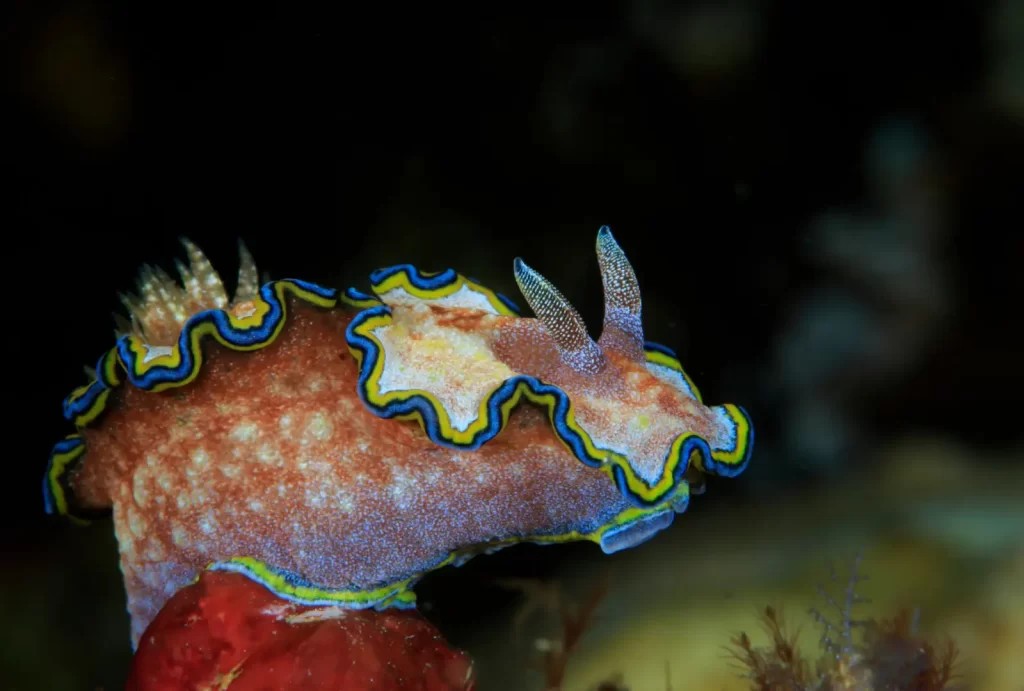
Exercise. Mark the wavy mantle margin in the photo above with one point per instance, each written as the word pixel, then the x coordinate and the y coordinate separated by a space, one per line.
pixel 496 407
pixel 129 357
pixel 258 330
pixel 400 594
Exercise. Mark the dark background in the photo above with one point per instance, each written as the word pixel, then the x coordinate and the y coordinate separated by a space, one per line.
pixel 713 138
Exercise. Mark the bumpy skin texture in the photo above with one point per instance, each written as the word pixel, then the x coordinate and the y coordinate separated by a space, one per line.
pixel 337 454
pixel 228 632
pixel 271 455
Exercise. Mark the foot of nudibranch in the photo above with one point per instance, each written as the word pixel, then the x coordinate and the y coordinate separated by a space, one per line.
pixel 637 532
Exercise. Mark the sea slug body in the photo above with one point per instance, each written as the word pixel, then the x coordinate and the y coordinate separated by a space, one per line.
pixel 338 445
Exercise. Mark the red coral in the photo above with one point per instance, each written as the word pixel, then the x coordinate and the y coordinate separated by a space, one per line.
pixel 228 632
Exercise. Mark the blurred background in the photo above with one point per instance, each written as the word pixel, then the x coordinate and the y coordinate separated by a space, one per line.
pixel 822 204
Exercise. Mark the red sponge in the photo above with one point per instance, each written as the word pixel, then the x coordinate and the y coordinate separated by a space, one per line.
pixel 229 633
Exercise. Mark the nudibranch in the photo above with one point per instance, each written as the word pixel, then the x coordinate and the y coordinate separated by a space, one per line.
pixel 335 446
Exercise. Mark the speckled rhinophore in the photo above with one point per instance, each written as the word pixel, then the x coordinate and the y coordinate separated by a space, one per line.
pixel 336 446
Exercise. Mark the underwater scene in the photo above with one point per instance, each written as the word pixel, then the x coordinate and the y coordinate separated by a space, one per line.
pixel 643 346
